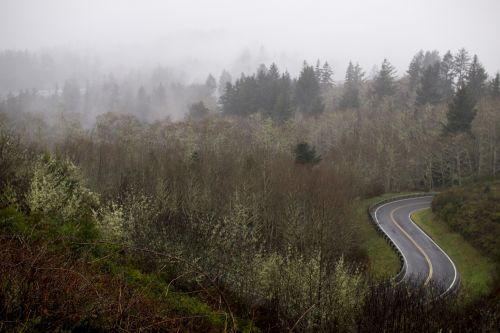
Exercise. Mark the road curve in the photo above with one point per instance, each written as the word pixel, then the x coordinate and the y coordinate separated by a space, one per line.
pixel 424 260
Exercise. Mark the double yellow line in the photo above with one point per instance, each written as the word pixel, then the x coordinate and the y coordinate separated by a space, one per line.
pixel 419 248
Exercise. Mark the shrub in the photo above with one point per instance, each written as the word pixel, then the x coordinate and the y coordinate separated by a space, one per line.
pixel 58 195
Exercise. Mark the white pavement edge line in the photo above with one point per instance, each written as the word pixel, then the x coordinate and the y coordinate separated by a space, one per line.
pixel 439 247
pixel 392 240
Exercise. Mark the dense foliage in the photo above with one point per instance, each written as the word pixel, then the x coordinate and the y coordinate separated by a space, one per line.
pixel 474 211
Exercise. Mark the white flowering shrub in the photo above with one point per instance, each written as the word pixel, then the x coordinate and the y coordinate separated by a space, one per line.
pixel 328 297
pixel 57 189
pixel 111 222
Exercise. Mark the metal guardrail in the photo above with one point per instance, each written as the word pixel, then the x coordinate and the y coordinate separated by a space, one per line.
pixel 371 212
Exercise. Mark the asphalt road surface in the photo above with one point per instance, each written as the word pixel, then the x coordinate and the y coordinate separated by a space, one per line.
pixel 424 260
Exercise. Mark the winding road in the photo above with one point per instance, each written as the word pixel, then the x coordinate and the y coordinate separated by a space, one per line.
pixel 423 259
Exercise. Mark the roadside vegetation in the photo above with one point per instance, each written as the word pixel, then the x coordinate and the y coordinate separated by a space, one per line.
pixel 474 212
pixel 478 273
pixel 383 262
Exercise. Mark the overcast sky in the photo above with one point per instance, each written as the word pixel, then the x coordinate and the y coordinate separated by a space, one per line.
pixel 208 35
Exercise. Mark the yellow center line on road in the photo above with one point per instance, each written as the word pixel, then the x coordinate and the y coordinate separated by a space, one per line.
pixel 414 242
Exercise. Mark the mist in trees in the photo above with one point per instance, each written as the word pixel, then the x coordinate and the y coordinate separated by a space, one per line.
pixel 251 170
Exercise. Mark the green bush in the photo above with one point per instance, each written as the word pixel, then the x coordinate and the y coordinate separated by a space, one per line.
pixel 12 221
pixel 474 212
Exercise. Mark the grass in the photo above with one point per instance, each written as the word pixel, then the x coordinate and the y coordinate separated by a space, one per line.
pixel 383 262
pixel 477 272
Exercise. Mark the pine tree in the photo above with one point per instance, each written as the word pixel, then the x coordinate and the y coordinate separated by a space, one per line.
pixel 447 76
pixel 476 79
pixel 428 91
pixel 306 154
pixel 274 73
pixel 226 100
pixel 283 104
pixel 270 89
pixel 352 85
pixel 384 83
pixel 224 79
pixel 415 70
pixel 326 76
pixel 317 70
pixel 261 72
pixel 307 91
pixel 211 84
pixel 461 112
pixel 461 64
pixel 430 58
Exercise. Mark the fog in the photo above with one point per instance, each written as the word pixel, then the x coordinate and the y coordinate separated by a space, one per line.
pixel 201 37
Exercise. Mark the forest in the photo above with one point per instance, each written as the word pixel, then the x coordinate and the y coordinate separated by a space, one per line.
pixel 239 193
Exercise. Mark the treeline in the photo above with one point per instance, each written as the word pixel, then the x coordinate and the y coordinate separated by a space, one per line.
pixel 430 80
pixel 276 95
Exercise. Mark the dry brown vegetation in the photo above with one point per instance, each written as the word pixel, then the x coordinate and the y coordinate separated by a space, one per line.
pixel 44 289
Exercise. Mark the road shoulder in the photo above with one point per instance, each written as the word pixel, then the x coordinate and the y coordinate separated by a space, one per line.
pixel 476 271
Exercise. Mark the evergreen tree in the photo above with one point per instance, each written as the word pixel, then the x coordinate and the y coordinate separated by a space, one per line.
pixel 326 76
pixel 266 92
pixel 274 73
pixel 211 84
pixel 495 86
pixel 269 86
pixel 430 58
pixel 283 105
pixel 306 154
pixel 247 97
pixel 224 79
pixel 447 75
pixel 261 73
pixel 352 85
pixel 415 70
pixel 227 100
pixel 461 64
pixel 428 91
pixel 461 112
pixel 476 79
pixel 263 102
pixel 317 70
pixel 307 91
pixel 384 83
